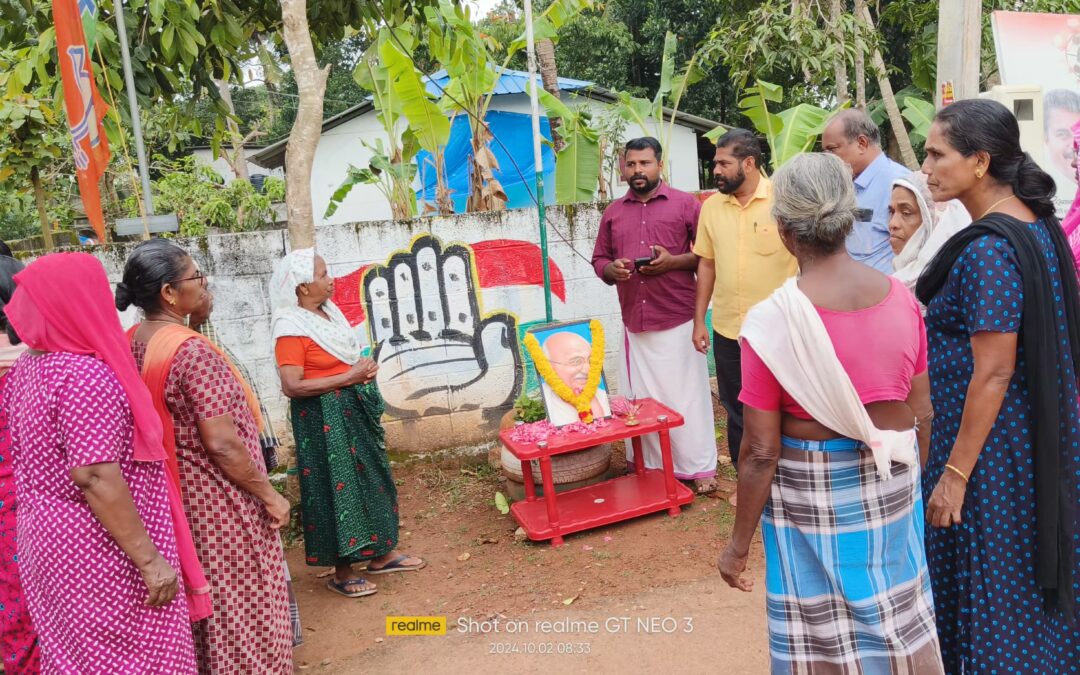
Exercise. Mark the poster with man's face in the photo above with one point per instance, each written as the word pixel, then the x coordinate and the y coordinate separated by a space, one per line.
pixel 568 348
pixel 1044 50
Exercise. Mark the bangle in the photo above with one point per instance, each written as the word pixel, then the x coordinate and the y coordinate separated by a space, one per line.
pixel 957 471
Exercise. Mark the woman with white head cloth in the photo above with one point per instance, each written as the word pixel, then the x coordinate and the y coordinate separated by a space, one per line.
pixel 919 226
pixel 348 499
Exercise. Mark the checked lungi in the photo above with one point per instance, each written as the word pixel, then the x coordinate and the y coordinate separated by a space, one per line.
pixel 847 588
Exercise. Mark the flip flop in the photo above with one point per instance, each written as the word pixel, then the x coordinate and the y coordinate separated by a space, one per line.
pixel 339 587
pixel 396 566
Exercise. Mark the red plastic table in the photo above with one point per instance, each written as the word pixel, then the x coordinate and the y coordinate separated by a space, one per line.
pixel 644 491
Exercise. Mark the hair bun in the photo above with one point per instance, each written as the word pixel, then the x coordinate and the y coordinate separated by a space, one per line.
pixel 124 296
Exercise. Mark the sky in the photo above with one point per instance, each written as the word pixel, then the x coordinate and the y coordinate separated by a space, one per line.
pixel 481 7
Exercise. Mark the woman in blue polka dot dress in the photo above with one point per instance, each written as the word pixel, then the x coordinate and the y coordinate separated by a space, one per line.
pixel 1003 324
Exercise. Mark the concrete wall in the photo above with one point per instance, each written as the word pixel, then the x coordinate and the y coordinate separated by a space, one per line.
pixel 343 145
pixel 477 275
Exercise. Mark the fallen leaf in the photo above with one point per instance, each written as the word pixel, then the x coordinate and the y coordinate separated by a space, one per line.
pixel 324 574
pixel 569 600
pixel 464 556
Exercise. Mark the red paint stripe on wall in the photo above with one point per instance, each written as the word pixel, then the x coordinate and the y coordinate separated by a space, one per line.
pixel 499 262
pixel 509 262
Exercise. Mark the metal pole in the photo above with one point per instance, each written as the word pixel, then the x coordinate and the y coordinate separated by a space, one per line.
pixel 133 105
pixel 538 158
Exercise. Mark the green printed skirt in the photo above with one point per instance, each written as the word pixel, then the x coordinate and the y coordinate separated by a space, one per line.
pixel 348 500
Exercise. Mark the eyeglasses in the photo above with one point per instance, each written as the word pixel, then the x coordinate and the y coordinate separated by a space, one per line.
pixel 576 362
pixel 199 276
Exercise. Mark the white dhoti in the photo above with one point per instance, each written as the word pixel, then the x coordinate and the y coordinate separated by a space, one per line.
pixel 664 365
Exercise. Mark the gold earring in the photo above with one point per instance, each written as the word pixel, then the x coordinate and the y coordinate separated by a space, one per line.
pixel 172 302
pixel 978 173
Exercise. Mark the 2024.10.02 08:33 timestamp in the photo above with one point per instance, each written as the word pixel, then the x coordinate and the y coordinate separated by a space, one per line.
pixel 539 648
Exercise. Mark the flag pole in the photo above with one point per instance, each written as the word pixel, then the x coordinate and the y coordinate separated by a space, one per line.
pixel 538 159
pixel 136 123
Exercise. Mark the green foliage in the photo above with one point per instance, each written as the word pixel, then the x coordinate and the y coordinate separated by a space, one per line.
pixel 502 503
pixel 201 199
pixel 788 133
pixel 669 93
pixel 528 409
pixel 577 165
pixel 920 114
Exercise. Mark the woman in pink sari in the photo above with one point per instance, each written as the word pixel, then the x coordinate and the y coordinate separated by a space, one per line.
pixel 97 546
pixel 18 641
pixel 1071 222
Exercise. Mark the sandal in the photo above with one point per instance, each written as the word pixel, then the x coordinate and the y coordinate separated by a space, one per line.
pixel 367 588
pixel 705 486
pixel 396 566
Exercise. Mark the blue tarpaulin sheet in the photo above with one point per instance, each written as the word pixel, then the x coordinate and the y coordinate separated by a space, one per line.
pixel 514 130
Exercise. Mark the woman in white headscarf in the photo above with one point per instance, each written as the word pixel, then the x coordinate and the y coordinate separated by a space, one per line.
pixel 919 226
pixel 348 498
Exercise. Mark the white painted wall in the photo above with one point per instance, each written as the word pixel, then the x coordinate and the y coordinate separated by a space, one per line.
pixel 205 156
pixel 343 145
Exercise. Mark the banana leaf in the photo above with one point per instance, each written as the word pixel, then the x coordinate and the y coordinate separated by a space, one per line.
pixel 920 114
pixel 429 124
pixel 755 106
pixel 799 130
pixel 577 165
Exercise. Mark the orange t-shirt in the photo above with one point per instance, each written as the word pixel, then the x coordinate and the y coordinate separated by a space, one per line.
pixel 293 350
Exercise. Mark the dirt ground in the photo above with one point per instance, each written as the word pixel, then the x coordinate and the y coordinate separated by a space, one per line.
pixel 655 568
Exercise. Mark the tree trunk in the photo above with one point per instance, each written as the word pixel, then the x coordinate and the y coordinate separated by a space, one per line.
pixel 896 120
pixel 839 64
pixel 860 57
pixel 549 74
pixel 306 130
pixel 237 160
pixel 39 197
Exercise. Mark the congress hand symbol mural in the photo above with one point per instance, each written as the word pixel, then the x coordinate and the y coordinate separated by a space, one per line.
pixel 437 352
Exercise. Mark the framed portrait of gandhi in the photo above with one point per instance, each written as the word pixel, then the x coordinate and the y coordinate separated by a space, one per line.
pixel 569 360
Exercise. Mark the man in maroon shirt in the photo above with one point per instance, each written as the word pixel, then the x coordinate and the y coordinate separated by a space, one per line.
pixel 644 250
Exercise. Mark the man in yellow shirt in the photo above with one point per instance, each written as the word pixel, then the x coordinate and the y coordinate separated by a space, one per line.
pixel 742 261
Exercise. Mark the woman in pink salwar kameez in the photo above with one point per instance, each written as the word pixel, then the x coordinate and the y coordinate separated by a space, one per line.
pixel 98 556
pixel 18 641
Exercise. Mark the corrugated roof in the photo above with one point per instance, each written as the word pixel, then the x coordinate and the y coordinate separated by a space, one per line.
pixel 511 82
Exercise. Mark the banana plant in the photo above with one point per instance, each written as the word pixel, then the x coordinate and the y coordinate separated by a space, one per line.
pixel 428 127
pixel 789 132
pixel 400 150
pixel 468 56
pixel 577 165
pixel 669 94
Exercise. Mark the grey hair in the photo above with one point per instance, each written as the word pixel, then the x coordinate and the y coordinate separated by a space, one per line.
pixel 814 201
pixel 1059 99
pixel 857 123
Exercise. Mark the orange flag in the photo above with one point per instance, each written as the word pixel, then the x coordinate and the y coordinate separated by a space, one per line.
pixel 85 107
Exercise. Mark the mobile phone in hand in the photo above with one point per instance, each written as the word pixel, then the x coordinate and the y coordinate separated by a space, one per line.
pixel 642 262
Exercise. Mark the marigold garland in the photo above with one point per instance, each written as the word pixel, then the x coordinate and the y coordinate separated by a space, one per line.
pixel 582 402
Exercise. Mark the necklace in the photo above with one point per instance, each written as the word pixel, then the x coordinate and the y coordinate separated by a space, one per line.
pixel 995 205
